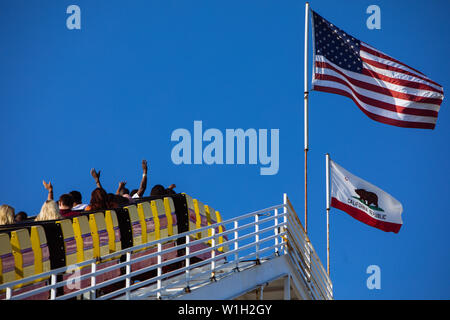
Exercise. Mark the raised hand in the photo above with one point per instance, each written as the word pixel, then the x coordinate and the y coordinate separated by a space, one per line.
pixel 49 188
pixel 95 175
pixel 48 185
pixel 122 184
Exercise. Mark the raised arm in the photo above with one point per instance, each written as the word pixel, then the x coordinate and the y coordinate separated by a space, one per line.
pixel 143 185
pixel 96 176
pixel 121 185
pixel 49 188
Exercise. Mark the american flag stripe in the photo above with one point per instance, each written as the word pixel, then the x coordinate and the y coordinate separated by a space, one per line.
pixel 369 102
pixel 370 98
pixel 369 83
pixel 398 72
pixel 370 50
pixel 385 89
pixel 381 97
pixel 381 104
pixel 377 117
pixel 385 76
pixel 387 59
pixel 381 109
pixel 361 89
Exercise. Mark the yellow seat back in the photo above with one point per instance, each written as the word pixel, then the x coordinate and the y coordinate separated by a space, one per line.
pixel 191 215
pixel 23 253
pixel 99 233
pixel 7 262
pixel 202 221
pixel 211 219
pixel 171 216
pixel 159 214
pixel 70 244
pixel 222 239
pixel 83 238
pixel 40 249
pixel 112 226
pixel 136 226
pixel 145 214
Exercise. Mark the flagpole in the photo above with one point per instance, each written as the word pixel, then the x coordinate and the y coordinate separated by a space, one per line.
pixel 306 112
pixel 327 170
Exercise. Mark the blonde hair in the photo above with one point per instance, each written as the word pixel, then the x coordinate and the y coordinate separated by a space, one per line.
pixel 6 214
pixel 49 211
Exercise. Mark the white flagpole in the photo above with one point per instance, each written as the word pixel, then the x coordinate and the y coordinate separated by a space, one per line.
pixel 327 170
pixel 306 92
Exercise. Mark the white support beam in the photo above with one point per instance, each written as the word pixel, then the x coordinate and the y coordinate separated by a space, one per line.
pixel 287 288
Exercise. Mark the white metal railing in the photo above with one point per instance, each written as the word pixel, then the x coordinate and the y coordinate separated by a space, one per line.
pixel 256 236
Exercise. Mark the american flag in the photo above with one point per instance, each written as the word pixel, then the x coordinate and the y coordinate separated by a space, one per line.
pixel 385 89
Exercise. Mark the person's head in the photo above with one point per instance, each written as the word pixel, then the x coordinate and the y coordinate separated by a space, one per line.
pixel 65 202
pixel 170 191
pixel 158 190
pixel 123 200
pixel 116 201
pixel 76 196
pixel 6 214
pixel 49 211
pixel 99 199
pixel 112 201
pixel 20 216
pixel 123 191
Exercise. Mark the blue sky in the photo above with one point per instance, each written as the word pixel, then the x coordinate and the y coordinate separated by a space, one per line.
pixel 111 94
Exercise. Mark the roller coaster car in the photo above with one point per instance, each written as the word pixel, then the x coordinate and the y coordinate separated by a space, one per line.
pixel 35 247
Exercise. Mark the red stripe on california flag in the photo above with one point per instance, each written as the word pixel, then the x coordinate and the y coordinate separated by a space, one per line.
pixel 365 218
pixel 376 117
pixel 380 104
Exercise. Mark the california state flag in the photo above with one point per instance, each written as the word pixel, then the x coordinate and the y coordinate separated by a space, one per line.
pixel 364 201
